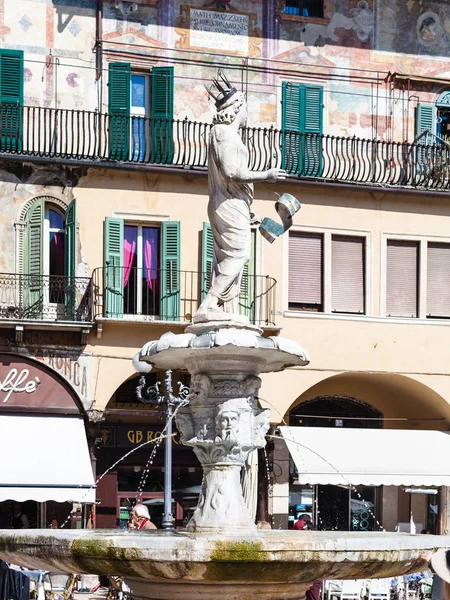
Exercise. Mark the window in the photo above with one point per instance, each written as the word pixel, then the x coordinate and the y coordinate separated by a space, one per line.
pixel 142 269
pixel 306 271
pixel 402 278
pixel 438 280
pixel 140 114
pixel 327 273
pixel 304 8
pixel 54 260
pixel 11 98
pixel 141 274
pixel 302 124
pixel 417 278
pixel 49 257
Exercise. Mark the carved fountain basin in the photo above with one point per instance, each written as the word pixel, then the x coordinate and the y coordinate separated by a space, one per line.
pixel 269 565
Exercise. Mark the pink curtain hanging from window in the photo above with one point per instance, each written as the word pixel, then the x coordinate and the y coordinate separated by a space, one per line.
pixel 129 252
pixel 150 239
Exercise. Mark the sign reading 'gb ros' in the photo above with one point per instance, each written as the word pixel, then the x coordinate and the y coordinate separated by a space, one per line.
pixel 29 385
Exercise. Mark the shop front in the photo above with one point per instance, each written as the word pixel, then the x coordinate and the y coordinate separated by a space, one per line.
pixel 356 479
pixel 130 463
pixel 46 477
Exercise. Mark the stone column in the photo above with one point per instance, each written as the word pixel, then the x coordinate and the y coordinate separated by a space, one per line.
pixel 223 424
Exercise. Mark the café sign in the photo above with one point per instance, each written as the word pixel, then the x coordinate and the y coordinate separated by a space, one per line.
pixel 27 385
pixel 16 382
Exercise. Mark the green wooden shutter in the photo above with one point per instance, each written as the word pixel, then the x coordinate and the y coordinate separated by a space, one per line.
pixel 247 297
pixel 170 272
pixel 33 280
pixel 70 260
pixel 290 125
pixel 113 268
pixel 207 258
pixel 311 126
pixel 11 99
pixel 119 110
pixel 425 160
pixel 302 125
pixel 426 119
pixel 162 115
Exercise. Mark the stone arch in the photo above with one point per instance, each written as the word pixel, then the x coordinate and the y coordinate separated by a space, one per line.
pixel 407 401
pixel 353 412
pixel 46 372
pixel 20 224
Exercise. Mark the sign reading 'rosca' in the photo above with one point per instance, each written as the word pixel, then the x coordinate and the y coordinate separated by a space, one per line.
pixel 27 384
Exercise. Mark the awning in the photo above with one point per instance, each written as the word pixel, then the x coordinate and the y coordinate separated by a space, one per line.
pixel 344 456
pixel 44 458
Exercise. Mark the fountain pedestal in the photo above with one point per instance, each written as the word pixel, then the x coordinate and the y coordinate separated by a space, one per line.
pixel 223 422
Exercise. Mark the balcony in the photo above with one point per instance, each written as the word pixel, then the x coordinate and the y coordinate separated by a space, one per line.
pixel 82 137
pixel 151 295
pixel 42 301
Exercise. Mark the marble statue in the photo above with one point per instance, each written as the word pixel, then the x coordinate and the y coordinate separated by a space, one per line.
pixel 230 188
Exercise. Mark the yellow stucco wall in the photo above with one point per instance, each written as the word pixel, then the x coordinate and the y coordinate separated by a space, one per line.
pixel 418 350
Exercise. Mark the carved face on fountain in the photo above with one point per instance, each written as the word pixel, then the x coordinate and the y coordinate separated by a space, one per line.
pixel 233 420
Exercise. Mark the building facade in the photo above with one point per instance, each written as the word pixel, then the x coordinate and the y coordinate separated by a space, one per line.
pixel 105 245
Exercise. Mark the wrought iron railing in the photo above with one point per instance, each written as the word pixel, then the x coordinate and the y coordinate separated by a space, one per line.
pixel 45 298
pixel 77 135
pixel 167 295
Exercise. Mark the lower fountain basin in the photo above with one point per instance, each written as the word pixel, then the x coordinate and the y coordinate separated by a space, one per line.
pixel 269 565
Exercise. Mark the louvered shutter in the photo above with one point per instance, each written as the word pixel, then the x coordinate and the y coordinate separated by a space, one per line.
pixel 347 274
pixel 33 291
pixel 438 280
pixel 170 274
pixel 402 278
pixel 426 119
pixel 302 125
pixel 290 125
pixel 207 258
pixel 248 288
pixel 425 159
pixel 113 268
pixel 162 115
pixel 119 110
pixel 311 126
pixel 70 259
pixel 305 271
pixel 11 99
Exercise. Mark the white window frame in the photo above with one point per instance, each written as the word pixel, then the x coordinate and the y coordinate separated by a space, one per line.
pixel 327 234
pixel 422 277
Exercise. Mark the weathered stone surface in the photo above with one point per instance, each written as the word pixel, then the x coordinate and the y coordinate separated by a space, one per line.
pixel 267 564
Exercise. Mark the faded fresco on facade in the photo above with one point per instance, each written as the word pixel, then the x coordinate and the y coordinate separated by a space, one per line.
pixel 354 46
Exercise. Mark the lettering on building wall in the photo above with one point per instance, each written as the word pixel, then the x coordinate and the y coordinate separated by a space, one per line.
pixel 126 436
pixel 221 31
pixel 16 382
pixel 69 367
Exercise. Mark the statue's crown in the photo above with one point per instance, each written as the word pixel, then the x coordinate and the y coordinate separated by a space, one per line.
pixel 224 89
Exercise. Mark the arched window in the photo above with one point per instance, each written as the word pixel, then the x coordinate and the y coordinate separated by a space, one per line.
pixel 49 256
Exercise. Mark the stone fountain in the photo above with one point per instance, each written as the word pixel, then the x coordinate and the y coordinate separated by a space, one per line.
pixel 221 551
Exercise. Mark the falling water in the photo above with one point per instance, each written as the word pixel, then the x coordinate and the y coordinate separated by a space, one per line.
pixel 156 441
